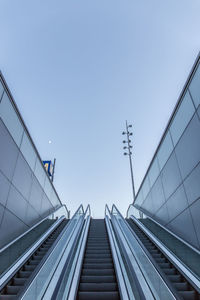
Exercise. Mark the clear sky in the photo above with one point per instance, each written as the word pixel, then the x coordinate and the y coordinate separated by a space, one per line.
pixel 78 69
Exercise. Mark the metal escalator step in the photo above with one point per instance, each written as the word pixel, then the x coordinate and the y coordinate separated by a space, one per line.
pixel 98 272
pixel 7 297
pixel 98 287
pixel 164 265
pixel 189 295
pixel 29 267
pixel 33 262
pixel 160 260
pixel 171 271
pixel 24 274
pixel 96 238
pixel 98 266
pixel 98 251
pixel 157 255
pixel 156 251
pixel 96 247
pixel 181 286
pixel 97 260
pixel 12 289
pixel 174 278
pixel 98 279
pixel 37 256
pixel 98 296
pixel 100 255
pixel 19 281
pixel 39 251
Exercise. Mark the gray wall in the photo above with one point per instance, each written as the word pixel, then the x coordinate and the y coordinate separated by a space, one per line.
pixel 170 191
pixel 26 193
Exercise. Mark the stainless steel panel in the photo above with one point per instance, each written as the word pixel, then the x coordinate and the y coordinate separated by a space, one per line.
pixel 22 177
pixel 195 211
pixel 17 204
pixel 157 193
pixel 32 217
pixel 162 215
pixel 170 176
pixel 177 203
pixel 9 152
pixel 10 228
pixel 36 194
pixel 192 185
pixel 183 226
pixel 188 148
pixel 4 189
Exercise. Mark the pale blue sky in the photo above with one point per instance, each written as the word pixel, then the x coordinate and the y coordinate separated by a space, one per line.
pixel 79 69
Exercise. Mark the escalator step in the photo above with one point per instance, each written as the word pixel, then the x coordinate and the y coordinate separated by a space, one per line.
pixel 98 266
pixel 97 279
pixel 97 260
pixel 181 286
pixel 98 287
pixel 12 289
pixel 174 278
pixel 98 272
pixel 98 296
pixel 19 281
pixel 164 265
pixel 7 297
pixel 33 262
pixel 160 260
pixel 37 256
pixel 29 267
pixel 189 295
pixel 98 251
pixel 24 274
pixel 98 255
pixel 171 271
pixel 96 247
pixel 157 255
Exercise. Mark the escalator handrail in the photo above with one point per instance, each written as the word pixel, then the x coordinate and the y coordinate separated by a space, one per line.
pixel 189 274
pixel 117 259
pixel 133 274
pixel 78 260
pixel 161 275
pixel 17 265
pixel 136 273
pixel 67 259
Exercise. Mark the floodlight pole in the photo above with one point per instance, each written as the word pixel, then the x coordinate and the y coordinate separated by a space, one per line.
pixel 130 156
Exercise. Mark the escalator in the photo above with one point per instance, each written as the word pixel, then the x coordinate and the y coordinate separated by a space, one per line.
pixel 15 286
pixel 98 279
pixel 176 279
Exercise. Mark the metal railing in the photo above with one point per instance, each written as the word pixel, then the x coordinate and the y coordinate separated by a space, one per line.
pixel 124 284
pixel 65 281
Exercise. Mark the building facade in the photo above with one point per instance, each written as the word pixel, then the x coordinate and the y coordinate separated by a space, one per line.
pixel 27 194
pixel 170 191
